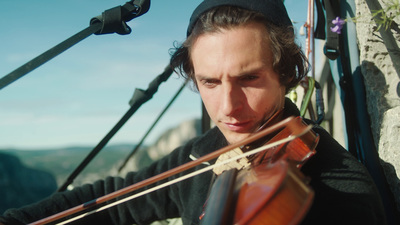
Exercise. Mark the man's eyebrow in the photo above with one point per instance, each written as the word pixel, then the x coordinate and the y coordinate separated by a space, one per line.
pixel 249 72
pixel 202 76
pixel 254 69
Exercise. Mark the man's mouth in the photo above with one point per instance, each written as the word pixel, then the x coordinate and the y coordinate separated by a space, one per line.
pixel 238 126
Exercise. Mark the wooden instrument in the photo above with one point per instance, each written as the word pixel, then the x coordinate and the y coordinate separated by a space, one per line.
pixel 272 190
pixel 283 167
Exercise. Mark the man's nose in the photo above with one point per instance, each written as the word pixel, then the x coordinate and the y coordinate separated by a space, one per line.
pixel 232 97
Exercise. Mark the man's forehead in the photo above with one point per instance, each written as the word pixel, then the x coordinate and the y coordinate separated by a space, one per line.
pixel 244 41
pixel 253 68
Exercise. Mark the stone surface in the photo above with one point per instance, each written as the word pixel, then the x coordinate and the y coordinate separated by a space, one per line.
pixel 380 66
pixel 168 141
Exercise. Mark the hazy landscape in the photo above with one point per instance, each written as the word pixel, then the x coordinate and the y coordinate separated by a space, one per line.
pixel 61 162
pixel 29 175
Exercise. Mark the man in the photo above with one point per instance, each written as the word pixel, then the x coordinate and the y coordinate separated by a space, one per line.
pixel 242 58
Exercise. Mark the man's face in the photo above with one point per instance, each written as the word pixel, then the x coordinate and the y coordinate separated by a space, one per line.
pixel 235 78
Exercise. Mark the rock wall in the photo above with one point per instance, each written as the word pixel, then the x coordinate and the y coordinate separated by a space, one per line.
pixel 380 66
pixel 168 141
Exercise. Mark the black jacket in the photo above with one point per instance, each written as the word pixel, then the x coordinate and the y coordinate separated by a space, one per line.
pixel 344 191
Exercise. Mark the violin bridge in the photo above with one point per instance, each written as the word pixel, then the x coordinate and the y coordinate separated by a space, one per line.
pixel 238 164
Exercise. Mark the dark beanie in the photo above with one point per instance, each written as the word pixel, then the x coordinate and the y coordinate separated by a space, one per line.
pixel 273 10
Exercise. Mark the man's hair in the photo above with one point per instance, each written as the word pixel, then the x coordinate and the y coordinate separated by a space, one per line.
pixel 289 61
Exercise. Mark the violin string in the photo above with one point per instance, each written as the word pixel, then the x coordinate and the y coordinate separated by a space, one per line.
pixel 164 175
pixel 189 175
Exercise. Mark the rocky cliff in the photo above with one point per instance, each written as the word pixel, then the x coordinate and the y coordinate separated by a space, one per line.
pixel 167 142
pixel 380 65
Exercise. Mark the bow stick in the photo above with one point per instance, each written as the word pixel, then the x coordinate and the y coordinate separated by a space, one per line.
pixel 290 122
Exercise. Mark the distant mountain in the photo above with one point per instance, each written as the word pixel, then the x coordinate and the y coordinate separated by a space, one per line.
pixel 21 185
pixel 62 162
pixel 46 169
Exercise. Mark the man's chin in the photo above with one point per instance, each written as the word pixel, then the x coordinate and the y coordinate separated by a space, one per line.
pixel 236 137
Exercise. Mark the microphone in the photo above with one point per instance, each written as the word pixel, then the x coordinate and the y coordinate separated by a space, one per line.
pixel 142 7
pixel 114 20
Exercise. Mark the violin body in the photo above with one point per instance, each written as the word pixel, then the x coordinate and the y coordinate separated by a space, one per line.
pixel 274 194
pixel 270 191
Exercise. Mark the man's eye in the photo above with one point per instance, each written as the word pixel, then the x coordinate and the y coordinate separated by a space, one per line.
pixel 249 77
pixel 210 83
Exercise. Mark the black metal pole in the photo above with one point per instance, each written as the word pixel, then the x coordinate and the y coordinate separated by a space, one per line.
pixel 151 128
pixel 140 97
pixel 110 21
pixel 48 55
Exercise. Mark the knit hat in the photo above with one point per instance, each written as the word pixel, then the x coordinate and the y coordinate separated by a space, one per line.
pixel 273 10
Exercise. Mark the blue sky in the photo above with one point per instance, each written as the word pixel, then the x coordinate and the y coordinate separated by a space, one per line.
pixel 77 97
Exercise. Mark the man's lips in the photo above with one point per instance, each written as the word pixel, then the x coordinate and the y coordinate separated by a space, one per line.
pixel 238 126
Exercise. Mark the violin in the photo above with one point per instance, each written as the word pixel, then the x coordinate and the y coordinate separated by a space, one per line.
pixel 271 190
pixel 279 147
